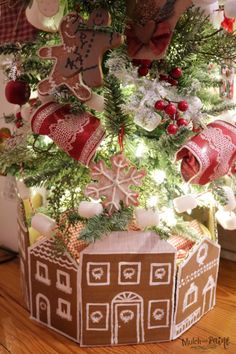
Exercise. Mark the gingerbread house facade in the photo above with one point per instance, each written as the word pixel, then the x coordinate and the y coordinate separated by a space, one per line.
pixel 123 289
pixel 53 281
pixel 127 289
pixel 196 285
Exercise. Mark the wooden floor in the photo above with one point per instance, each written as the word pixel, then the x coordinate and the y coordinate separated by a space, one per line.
pixel 20 335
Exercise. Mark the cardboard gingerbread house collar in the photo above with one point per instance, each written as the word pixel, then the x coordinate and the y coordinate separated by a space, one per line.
pixel 125 289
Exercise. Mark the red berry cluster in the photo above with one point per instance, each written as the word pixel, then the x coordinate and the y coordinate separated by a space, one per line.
pixel 144 65
pixel 173 112
pixel 19 121
pixel 173 77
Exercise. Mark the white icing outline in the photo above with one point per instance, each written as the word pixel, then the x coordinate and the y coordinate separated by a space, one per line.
pixel 137 273
pixel 152 274
pixel 88 273
pixel 150 313
pixel 88 314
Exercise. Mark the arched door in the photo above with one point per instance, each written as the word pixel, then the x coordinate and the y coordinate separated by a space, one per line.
pixel 43 311
pixel 127 318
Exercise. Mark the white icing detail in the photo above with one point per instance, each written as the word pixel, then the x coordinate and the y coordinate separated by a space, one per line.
pixel 98 273
pixel 158 313
pixel 191 296
pixel 96 316
pixel 42 305
pixel 127 300
pixel 202 253
pixel 42 273
pixel 64 132
pixel 126 316
pixel 63 282
pixel 64 309
pixel 223 145
pixel 131 274
pixel 45 250
pixel 203 269
pixel 187 323
pixel 158 272
pixel 210 287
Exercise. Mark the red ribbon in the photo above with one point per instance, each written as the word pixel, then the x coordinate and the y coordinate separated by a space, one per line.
pixel 121 138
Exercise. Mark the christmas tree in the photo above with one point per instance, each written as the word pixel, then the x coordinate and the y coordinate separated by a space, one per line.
pixel 122 98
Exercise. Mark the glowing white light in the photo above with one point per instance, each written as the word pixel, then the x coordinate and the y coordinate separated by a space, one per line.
pixel 141 149
pixel 47 140
pixel 168 216
pixel 152 201
pixel 186 188
pixel 158 176
pixel 207 199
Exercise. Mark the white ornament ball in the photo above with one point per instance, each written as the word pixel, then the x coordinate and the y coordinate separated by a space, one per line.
pixel 23 191
pixel 147 218
pixel 226 219
pixel 231 201
pixel 43 224
pixel 230 8
pixel 89 209
pixel 185 203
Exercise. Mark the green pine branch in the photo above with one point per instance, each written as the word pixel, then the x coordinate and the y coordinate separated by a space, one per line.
pixel 101 225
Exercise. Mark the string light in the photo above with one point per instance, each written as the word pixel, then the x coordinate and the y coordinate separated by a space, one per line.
pixel 168 216
pixel 152 201
pixel 158 176
pixel 141 149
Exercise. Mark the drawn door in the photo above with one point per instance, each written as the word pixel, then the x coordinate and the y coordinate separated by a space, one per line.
pixel 43 309
pixel 127 323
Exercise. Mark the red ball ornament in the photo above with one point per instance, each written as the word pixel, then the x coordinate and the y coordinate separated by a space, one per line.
pixel 182 122
pixel 170 109
pixel 19 123
pixel 18 116
pixel 172 129
pixel 163 77
pixel 176 73
pixel 17 92
pixel 173 82
pixel 143 71
pixel 146 62
pixel 136 62
pixel 160 105
pixel 183 106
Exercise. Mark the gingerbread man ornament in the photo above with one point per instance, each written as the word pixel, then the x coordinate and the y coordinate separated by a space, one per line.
pixel 78 59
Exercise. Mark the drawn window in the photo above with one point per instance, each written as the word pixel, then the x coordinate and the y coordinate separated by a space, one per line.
pixel 190 297
pixel 42 273
pixel 158 313
pixel 97 316
pixel 63 282
pixel 129 273
pixel 160 273
pixel 64 309
pixel 98 274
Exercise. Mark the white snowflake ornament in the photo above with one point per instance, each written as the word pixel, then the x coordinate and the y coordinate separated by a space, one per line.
pixel 114 183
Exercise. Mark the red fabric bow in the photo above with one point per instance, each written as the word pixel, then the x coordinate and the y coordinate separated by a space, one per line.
pixel 190 166
pixel 153 45
pixel 228 24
